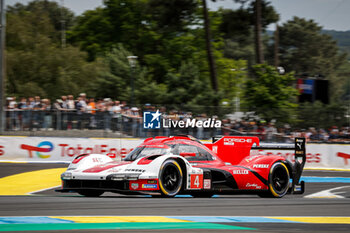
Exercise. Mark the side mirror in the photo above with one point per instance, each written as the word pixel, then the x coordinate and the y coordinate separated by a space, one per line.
pixel 187 154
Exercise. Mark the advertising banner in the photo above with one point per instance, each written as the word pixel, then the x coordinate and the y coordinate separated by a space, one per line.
pixel 55 149
pixel 51 149
pixel 320 155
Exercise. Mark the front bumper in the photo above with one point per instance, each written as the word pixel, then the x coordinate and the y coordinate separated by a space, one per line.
pixel 142 185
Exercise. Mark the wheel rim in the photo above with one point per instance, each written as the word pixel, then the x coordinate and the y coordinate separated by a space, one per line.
pixel 280 179
pixel 171 178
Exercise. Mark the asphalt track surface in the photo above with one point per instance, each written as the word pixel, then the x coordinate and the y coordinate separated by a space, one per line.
pixel 50 203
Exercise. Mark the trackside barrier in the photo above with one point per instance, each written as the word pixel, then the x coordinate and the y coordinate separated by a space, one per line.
pixel 56 149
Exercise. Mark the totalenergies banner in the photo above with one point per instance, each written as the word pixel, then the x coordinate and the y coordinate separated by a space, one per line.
pixel 51 149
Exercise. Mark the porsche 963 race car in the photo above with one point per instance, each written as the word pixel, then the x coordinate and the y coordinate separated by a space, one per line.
pixel 168 166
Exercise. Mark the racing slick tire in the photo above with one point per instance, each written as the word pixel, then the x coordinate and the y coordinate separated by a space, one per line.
pixel 91 193
pixel 170 178
pixel 278 181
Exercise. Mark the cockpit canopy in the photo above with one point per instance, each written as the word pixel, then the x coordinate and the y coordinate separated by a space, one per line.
pixel 175 147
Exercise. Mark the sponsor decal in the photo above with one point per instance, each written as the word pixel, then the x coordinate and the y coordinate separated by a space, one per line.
pixel 154 120
pixel 149 186
pixel 97 160
pixel 207 184
pixel 240 172
pixel 151 182
pixel 253 186
pixel 241 140
pixel 43 147
pixel 134 186
pixel 215 149
pixel 196 181
pixel 228 142
pixel 135 170
pixel 260 166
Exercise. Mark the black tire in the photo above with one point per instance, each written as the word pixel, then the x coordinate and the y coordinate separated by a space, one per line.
pixel 278 181
pixel 91 193
pixel 170 178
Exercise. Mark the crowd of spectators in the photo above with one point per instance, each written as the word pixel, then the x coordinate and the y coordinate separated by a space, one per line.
pixel 69 113
pixel 66 113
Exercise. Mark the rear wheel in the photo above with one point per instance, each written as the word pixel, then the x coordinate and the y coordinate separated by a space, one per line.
pixel 170 178
pixel 91 193
pixel 278 181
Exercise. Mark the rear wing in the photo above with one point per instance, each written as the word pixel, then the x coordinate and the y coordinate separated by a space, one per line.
pixel 234 149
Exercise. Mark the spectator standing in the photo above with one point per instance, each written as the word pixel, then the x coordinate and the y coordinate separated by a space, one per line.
pixel 271 131
pixel 91 111
pixel 47 114
pixel 64 112
pixel 135 117
pixel 38 114
pixel 261 131
pixel 71 110
pixel 23 113
pixel 116 116
pixel 13 113
pixel 108 105
pixel 80 107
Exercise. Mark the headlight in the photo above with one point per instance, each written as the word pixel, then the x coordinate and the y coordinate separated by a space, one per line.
pixel 66 176
pixel 132 176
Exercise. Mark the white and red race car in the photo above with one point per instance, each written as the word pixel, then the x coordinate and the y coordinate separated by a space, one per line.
pixel 168 166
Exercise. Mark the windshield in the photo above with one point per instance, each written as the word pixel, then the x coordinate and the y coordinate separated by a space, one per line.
pixel 143 151
pixel 176 149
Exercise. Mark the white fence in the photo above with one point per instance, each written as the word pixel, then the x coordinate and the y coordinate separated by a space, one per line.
pixel 55 149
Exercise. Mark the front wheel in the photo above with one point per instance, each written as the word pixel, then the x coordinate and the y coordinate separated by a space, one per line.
pixel 91 193
pixel 170 178
pixel 278 181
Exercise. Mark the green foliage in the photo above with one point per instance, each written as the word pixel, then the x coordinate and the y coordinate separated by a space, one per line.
pixel 304 49
pixel 114 80
pixel 270 94
pixel 237 29
pixel 36 65
pixel 342 38
pixel 38 17
pixel 341 83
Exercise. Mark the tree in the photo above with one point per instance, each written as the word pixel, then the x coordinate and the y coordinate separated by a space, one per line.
pixel 321 116
pixel 270 94
pixel 305 50
pixel 240 30
pixel 36 64
pixel 211 61
pixel 41 9
pixel 114 79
